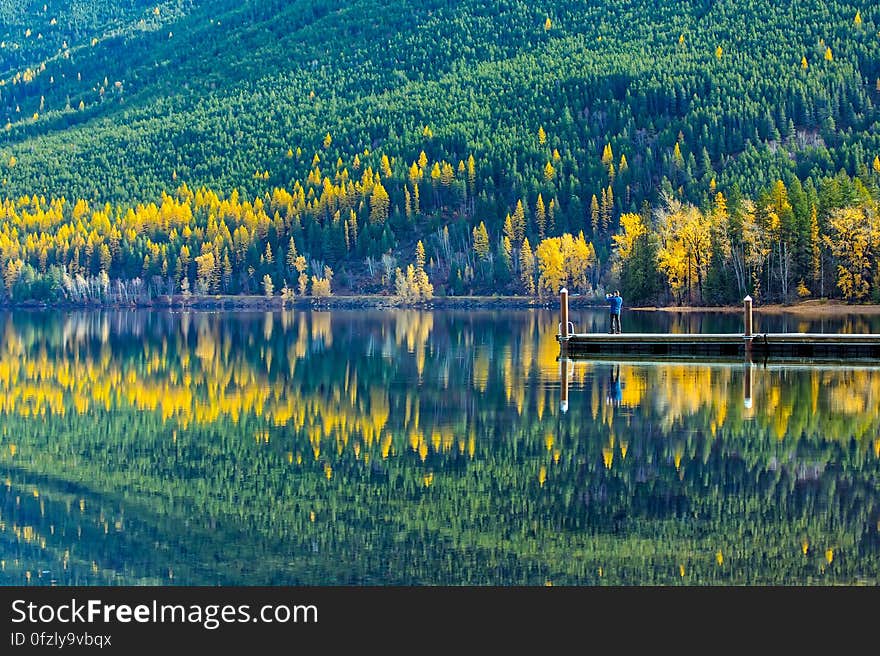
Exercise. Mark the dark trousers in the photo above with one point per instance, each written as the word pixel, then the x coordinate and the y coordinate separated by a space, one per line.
pixel 615 323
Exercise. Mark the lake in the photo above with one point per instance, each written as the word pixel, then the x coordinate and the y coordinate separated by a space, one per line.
pixel 406 447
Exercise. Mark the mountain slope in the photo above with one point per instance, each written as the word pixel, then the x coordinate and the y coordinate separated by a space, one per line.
pixel 565 115
pixel 227 89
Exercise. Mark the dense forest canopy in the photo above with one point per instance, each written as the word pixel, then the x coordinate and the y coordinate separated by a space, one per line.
pixel 394 123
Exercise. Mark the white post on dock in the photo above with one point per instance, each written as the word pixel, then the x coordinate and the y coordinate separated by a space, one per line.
pixel 747 316
pixel 747 326
pixel 563 313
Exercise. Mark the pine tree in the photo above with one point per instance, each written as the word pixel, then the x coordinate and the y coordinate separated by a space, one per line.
pixel 594 214
pixel 605 212
pixel 519 222
pixel 541 217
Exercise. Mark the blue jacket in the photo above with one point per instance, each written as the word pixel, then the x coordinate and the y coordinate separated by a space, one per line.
pixel 616 302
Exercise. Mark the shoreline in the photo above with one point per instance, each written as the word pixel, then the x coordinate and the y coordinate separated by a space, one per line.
pixel 262 303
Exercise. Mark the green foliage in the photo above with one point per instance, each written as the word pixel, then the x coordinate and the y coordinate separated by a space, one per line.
pixel 242 97
pixel 639 280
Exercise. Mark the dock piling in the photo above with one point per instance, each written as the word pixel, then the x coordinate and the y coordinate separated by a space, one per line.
pixel 747 316
pixel 747 325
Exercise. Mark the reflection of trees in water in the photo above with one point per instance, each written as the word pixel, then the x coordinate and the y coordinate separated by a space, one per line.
pixel 410 447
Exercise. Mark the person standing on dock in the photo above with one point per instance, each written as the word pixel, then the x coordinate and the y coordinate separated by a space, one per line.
pixel 615 302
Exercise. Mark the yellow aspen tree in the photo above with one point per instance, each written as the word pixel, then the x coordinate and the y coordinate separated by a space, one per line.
pixel 804 63
pixel 631 229
pixel 857 21
pixel 548 24
pixel 423 284
pixel 481 242
pixel 876 164
pixel 718 52
pixel 580 260
pixel 385 167
pixel 550 266
pixel 828 55
pixel 542 136
pixel 303 278
pixel 327 140
pixel 549 172
pixel 854 235
pixel 205 264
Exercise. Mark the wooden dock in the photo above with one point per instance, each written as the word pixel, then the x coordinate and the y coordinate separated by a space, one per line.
pixel 746 345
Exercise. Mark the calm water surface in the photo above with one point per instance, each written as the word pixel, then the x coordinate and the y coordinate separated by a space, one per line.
pixel 407 447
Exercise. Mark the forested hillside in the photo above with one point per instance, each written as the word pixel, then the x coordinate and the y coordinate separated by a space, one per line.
pixel 525 145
